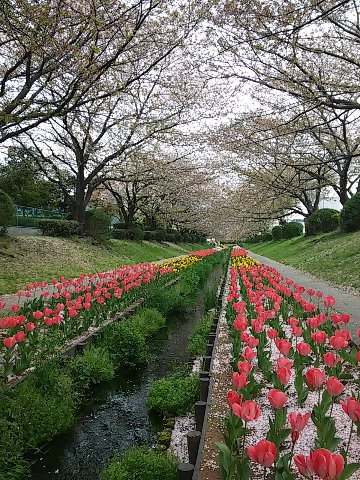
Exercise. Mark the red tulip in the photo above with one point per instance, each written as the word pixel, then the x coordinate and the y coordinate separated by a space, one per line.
pixel 330 359
pixel 303 348
pixel 334 386
pixel 283 375
pixel 20 336
pixel 352 408
pixel 244 366
pixel 15 307
pixel 240 324
pixel 315 377
pixel 263 453
pixel 9 342
pixel 252 341
pixel 329 301
pixel 298 421
pixel 338 342
pixel 326 465
pixel 272 333
pixel 236 408
pixel 277 398
pixel 233 397
pixel 248 354
pixel 319 336
pixel 244 336
pixel 283 345
pixel 37 314
pixel 310 291
pixel 293 322
pixel 250 411
pixel 239 380
pixel 297 331
pixel 319 293
pixel 2 305
pixel 282 362
pixel 343 333
pixel 30 326
pixel 304 465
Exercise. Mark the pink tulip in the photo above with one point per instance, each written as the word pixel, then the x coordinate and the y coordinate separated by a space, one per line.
pixel 239 380
pixel 277 398
pixel 334 386
pixel 283 345
pixel 330 359
pixel 233 397
pixel 315 377
pixel 352 408
pixel 298 421
pixel 329 301
pixel 303 348
pixel 304 465
pixel 338 342
pixel 272 333
pixel 248 354
pixel 326 465
pixel 250 411
pixel 30 326
pixel 9 342
pixel 244 366
pixel 282 362
pixel 319 336
pixel 283 375
pixel 263 453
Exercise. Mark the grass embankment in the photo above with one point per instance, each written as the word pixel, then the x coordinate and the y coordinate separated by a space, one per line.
pixel 333 256
pixel 27 259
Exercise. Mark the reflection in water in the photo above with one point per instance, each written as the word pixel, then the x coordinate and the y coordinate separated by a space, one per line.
pixel 116 416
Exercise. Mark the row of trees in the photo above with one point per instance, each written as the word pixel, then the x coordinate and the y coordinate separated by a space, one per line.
pixel 95 102
pixel 298 62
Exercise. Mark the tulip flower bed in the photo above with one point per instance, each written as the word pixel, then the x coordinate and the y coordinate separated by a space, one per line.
pixel 294 409
pixel 50 316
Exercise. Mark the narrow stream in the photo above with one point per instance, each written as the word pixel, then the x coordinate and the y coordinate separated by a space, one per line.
pixel 115 416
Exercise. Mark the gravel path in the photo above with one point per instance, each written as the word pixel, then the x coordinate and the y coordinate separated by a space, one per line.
pixel 345 301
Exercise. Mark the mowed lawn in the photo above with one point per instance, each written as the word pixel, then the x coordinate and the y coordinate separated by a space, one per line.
pixel 35 258
pixel 332 256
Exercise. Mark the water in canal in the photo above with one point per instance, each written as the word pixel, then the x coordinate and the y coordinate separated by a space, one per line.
pixel 115 416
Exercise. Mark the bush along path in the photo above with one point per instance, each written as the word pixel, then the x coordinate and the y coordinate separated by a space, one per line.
pixel 294 409
pixel 43 325
pixel 46 403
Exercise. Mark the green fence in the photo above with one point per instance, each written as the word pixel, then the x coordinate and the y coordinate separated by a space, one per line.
pixel 29 216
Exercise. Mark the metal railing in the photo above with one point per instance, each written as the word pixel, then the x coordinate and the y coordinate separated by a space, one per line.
pixel 29 216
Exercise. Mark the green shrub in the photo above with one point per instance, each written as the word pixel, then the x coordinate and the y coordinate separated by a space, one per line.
pixel 350 215
pixel 126 344
pixel 322 221
pixel 200 334
pixel 175 394
pixel 97 223
pixel 135 232
pixel 169 302
pixel 42 406
pixel 292 229
pixel 59 228
pixel 120 234
pixel 6 211
pixel 94 366
pixel 12 464
pixel 147 321
pixel 141 463
pixel 267 237
pixel 120 226
pixel 277 232
pixel 149 235
pixel 159 235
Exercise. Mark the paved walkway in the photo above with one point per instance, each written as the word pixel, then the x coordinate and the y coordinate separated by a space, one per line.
pixel 345 302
